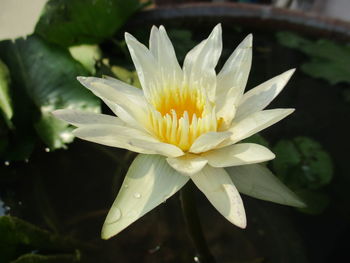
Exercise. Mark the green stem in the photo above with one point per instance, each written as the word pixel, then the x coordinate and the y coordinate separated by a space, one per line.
pixel 193 224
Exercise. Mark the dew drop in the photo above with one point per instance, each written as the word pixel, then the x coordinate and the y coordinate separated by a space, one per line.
pixel 47 149
pixel 165 198
pixel 137 195
pixel 7 163
pixel 126 186
pixel 117 214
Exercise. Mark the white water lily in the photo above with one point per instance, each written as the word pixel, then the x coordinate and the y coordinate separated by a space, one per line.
pixel 186 124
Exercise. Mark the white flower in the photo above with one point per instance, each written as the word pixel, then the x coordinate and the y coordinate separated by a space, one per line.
pixel 186 124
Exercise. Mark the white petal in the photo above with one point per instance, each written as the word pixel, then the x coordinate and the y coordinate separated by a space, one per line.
pixel 82 118
pixel 157 147
pixel 148 183
pixel 153 41
pixel 169 70
pixel 208 141
pixel 145 63
pixel 123 115
pixel 129 98
pixel 191 57
pixel 112 88
pixel 232 79
pixel 188 164
pixel 238 154
pixel 256 122
pixel 199 65
pixel 126 138
pixel 257 181
pixel 217 186
pixel 259 97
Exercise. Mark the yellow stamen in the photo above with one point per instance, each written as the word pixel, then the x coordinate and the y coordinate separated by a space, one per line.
pixel 181 115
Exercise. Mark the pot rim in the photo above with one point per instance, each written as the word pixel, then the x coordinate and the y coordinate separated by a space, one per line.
pixel 254 16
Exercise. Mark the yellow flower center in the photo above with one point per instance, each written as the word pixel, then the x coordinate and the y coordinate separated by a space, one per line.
pixel 180 100
pixel 181 115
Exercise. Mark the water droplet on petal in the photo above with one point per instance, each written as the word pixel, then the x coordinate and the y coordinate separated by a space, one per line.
pixel 126 186
pixel 137 195
pixel 7 163
pixel 165 198
pixel 112 218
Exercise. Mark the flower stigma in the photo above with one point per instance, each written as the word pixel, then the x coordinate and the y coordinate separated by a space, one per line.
pixel 179 115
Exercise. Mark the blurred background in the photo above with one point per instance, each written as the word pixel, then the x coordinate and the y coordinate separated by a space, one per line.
pixel 56 191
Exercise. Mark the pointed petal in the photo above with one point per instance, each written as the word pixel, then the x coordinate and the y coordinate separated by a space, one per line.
pixel 187 164
pixel 126 138
pixel 145 64
pixel 232 79
pixel 238 154
pixel 257 181
pixel 217 186
pixel 153 41
pixel 117 92
pixel 191 57
pixel 123 115
pixel 208 141
pixel 199 65
pixel 148 183
pixel 82 118
pixel 259 97
pixel 110 88
pixel 169 69
pixel 256 122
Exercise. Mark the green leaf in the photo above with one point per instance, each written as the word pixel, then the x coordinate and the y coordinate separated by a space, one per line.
pixel 18 236
pixel 5 100
pixel 75 22
pixel 126 76
pixel 328 60
pixel 316 202
pixel 35 258
pixel 258 139
pixel 87 55
pixel 182 41
pixel 302 163
pixel 44 76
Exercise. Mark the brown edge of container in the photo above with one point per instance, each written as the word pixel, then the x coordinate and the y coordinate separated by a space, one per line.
pixel 249 15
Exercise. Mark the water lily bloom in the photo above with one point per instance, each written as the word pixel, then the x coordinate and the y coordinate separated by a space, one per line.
pixel 186 124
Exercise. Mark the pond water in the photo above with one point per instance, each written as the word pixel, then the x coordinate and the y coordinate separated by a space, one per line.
pixel 70 191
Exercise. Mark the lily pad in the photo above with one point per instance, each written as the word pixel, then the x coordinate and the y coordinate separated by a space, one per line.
pixel 302 163
pixel 44 78
pixel 87 55
pixel 34 258
pixel 18 237
pixel 328 60
pixel 258 139
pixel 126 76
pixel 75 22
pixel 5 99
pixel 316 201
